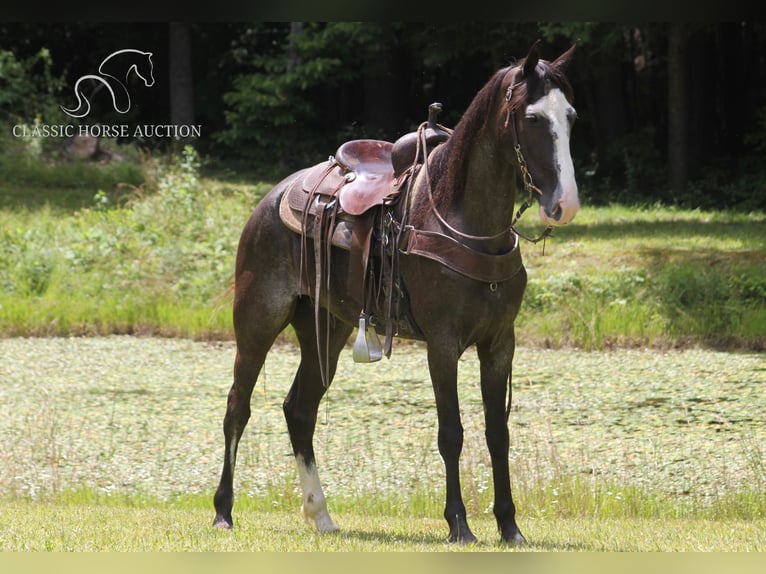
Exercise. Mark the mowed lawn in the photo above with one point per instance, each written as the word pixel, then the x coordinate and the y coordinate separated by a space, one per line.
pixel 115 443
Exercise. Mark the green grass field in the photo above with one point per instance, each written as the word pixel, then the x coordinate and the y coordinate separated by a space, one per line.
pixel 638 384
pixel 116 443
pixel 89 528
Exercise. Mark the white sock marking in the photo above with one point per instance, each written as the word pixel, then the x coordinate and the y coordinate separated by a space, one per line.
pixel 314 504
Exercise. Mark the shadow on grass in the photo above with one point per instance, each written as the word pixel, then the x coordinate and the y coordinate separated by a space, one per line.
pixel 737 227
pixel 387 538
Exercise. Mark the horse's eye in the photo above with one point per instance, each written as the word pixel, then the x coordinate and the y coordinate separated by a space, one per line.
pixel 533 118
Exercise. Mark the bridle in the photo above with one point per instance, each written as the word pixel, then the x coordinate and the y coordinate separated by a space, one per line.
pixel 526 177
pixel 529 187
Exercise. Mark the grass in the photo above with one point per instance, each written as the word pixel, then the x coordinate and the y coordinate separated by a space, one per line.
pixel 157 259
pixel 115 444
pixel 88 528
pixel 656 276
pixel 31 182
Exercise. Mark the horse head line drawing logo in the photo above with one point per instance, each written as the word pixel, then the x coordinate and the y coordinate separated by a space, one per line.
pixel 138 61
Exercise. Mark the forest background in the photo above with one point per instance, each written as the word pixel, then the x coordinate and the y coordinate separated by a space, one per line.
pixel 668 112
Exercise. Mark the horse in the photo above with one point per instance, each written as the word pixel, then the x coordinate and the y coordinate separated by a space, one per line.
pixel 121 61
pixel 463 195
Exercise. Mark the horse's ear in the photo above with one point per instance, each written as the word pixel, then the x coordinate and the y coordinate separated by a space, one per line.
pixel 530 62
pixel 562 62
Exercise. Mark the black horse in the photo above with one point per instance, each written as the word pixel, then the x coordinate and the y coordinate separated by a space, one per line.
pixel 518 124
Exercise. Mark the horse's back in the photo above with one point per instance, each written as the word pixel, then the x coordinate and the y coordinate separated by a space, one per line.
pixel 264 219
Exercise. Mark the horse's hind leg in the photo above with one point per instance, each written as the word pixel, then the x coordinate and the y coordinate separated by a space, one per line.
pixel 254 339
pixel 262 309
pixel 302 402
pixel 247 366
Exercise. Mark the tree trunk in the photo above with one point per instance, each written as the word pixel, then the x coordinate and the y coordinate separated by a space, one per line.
pixel 181 90
pixel 677 107
pixel 289 159
pixel 293 57
pixel 381 94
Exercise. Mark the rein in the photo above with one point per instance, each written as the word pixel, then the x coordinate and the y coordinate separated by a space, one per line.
pixel 530 188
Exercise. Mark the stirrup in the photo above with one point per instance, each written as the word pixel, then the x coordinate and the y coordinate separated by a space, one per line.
pixel 367 348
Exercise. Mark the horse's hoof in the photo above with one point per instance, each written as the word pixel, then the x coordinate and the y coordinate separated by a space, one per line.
pixel 515 538
pixel 223 522
pixel 463 538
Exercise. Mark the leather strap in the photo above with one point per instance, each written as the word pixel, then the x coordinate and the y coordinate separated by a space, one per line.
pixel 361 239
pixel 463 259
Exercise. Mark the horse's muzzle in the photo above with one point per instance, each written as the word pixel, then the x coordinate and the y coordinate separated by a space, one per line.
pixel 562 211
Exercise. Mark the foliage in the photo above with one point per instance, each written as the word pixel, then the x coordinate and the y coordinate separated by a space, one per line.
pixel 28 87
pixel 268 104
pixel 161 262
pixel 280 95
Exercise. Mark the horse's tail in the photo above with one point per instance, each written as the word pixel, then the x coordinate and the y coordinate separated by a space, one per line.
pixel 78 112
pixel 83 105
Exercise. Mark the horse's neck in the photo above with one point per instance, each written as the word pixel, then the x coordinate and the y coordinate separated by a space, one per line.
pixel 484 205
pixel 490 190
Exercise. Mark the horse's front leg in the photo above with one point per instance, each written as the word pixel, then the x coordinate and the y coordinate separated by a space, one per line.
pixel 495 377
pixel 443 368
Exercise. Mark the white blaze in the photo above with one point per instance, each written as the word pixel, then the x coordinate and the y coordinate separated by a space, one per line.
pixel 555 107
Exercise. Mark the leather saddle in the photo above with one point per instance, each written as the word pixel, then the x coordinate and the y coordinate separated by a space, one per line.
pixel 337 203
pixel 359 177
pixel 345 190
pixel 363 174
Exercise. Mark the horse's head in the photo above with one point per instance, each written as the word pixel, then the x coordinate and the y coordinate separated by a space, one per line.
pixel 539 114
pixel 144 69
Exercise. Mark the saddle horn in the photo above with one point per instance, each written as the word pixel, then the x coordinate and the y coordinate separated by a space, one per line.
pixel 404 150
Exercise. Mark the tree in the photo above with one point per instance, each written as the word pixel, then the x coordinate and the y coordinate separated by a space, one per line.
pixel 677 106
pixel 181 81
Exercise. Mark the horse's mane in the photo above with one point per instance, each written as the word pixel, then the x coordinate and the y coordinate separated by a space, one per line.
pixel 448 178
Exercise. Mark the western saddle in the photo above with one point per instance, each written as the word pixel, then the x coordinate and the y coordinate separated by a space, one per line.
pixel 338 202
pixel 342 201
